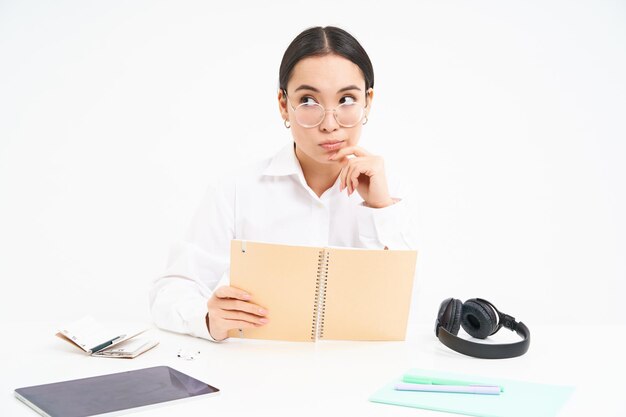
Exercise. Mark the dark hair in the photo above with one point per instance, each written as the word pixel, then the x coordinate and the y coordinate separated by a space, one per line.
pixel 319 41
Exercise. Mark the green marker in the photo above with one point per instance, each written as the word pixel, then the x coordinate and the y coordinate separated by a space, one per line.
pixel 417 379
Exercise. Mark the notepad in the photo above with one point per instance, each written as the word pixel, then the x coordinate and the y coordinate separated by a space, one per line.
pixel 518 399
pixel 315 293
pixel 107 341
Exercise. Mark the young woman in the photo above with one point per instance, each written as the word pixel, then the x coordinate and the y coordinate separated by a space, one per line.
pixel 321 189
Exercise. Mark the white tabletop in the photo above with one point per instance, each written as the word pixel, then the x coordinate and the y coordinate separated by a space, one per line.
pixel 284 378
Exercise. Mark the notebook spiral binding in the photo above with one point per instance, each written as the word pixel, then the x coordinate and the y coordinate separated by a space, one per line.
pixel 317 328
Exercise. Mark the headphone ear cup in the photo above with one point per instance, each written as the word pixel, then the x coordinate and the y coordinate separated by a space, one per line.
pixel 478 319
pixel 450 315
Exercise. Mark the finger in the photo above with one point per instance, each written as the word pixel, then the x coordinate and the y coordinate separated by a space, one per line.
pixel 355 183
pixel 342 180
pixel 357 171
pixel 346 175
pixel 349 150
pixel 348 178
pixel 360 168
pixel 231 292
pixel 238 305
pixel 238 324
pixel 354 180
pixel 354 168
pixel 241 316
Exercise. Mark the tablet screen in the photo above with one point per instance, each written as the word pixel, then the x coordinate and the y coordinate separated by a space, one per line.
pixel 113 392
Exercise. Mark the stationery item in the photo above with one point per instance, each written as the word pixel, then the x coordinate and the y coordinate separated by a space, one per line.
pixel 480 319
pixel 518 399
pixel 127 349
pixel 466 389
pixel 113 393
pixel 101 340
pixel 427 379
pixel 317 293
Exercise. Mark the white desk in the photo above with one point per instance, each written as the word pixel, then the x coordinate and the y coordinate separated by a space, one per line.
pixel 259 378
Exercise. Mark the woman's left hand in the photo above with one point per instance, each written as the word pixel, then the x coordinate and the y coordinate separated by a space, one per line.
pixel 364 173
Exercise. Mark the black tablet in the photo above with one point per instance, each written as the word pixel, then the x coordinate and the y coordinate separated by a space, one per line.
pixel 113 393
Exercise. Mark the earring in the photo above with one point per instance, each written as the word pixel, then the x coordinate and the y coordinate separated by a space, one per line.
pixel 366 119
pixel 287 124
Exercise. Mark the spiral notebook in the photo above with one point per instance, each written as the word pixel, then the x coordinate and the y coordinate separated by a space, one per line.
pixel 317 293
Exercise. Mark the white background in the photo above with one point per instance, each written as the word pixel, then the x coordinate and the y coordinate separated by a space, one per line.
pixel 507 118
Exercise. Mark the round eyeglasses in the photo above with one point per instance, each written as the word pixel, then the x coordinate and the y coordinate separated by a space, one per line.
pixel 312 114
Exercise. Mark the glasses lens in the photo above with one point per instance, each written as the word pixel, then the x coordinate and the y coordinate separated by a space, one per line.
pixel 309 115
pixel 349 114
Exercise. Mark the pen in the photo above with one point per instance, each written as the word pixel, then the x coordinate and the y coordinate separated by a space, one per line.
pixel 466 389
pixel 106 344
pixel 417 379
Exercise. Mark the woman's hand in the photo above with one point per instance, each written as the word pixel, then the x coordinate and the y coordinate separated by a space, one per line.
pixel 365 173
pixel 229 309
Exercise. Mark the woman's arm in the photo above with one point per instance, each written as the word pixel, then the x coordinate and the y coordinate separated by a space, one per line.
pixel 197 262
pixel 385 218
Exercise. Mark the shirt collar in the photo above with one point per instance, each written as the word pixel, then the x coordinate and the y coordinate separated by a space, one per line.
pixel 284 163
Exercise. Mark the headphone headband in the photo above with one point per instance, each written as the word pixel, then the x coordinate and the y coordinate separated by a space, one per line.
pixel 487 351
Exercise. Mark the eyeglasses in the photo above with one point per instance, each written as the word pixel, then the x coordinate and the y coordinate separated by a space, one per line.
pixel 312 114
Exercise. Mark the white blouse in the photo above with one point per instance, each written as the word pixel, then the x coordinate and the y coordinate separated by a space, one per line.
pixel 268 201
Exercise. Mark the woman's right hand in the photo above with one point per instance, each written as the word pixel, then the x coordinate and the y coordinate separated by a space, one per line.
pixel 229 308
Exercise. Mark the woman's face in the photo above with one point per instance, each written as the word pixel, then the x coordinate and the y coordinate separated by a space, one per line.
pixel 328 80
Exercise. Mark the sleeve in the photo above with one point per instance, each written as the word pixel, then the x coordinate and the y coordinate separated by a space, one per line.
pixel 196 265
pixel 391 227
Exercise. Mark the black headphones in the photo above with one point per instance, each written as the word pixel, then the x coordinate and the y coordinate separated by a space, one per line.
pixel 479 318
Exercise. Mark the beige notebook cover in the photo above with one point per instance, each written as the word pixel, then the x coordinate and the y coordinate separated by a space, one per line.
pixel 325 292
